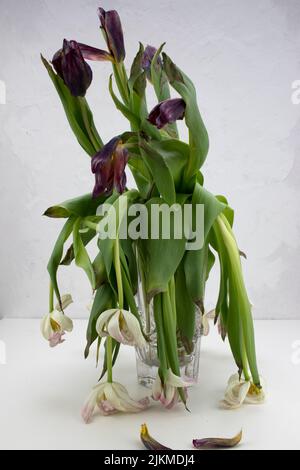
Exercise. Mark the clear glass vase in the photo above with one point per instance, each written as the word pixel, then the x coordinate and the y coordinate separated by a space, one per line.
pixel 147 362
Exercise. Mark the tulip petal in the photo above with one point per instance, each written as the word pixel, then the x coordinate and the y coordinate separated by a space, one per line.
pixel 66 300
pixel 46 328
pixel 65 323
pixel 149 442
pixel 104 154
pixel 133 329
pixel 255 396
pixel 209 443
pixel 157 389
pixel 114 330
pixel 167 112
pixel 92 53
pixel 176 381
pixel 101 325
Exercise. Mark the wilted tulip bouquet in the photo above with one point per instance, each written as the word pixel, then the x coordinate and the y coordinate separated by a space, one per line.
pixel 148 290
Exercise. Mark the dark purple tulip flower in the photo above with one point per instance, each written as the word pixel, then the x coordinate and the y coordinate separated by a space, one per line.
pixel 148 56
pixel 112 28
pixel 69 63
pixel 109 165
pixel 166 112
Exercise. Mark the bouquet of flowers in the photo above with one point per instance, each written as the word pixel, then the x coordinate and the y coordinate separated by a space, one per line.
pixel 148 278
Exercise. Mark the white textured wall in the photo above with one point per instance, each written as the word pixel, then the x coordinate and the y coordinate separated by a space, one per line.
pixel 243 56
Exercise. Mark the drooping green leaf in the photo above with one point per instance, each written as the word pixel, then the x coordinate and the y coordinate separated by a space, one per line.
pixel 86 237
pixel 82 258
pixel 57 253
pixel 199 142
pixel 99 270
pixel 104 300
pixel 160 171
pixel 160 257
pixel 128 250
pixel 113 220
pixel 81 206
pixel 176 155
pixel 228 211
pixel 198 262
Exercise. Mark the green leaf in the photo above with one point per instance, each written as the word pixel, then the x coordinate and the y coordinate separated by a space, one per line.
pixel 104 300
pixel 116 214
pixel 161 257
pixel 86 237
pixel 128 250
pixel 198 262
pixel 99 270
pixel 160 171
pixel 82 258
pixel 199 142
pixel 132 118
pixel 176 155
pixel 57 253
pixel 228 211
pixel 81 206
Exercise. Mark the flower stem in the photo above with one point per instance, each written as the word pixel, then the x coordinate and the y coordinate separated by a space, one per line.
pixel 118 272
pixel 121 80
pixel 109 359
pixel 51 298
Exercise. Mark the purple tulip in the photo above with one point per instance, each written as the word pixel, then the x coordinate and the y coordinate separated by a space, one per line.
pixel 109 165
pixel 69 63
pixel 148 56
pixel 166 112
pixel 113 33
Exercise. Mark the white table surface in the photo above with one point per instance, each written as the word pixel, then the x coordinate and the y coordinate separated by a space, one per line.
pixel 42 390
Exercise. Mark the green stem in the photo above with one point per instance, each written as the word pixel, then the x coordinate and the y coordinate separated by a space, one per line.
pixel 246 371
pixel 121 81
pixel 109 359
pixel 161 347
pixel 118 272
pixel 51 298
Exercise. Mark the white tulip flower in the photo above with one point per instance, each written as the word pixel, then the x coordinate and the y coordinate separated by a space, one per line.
pixel 111 398
pixel 121 325
pixel 240 391
pixel 56 323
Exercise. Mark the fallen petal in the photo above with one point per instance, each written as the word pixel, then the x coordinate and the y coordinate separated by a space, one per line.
pixel 212 442
pixel 149 442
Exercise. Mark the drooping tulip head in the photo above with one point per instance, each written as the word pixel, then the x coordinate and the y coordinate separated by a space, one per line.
pixel 56 323
pixel 112 29
pixel 69 63
pixel 111 398
pixel 121 325
pixel 167 112
pixel 108 165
